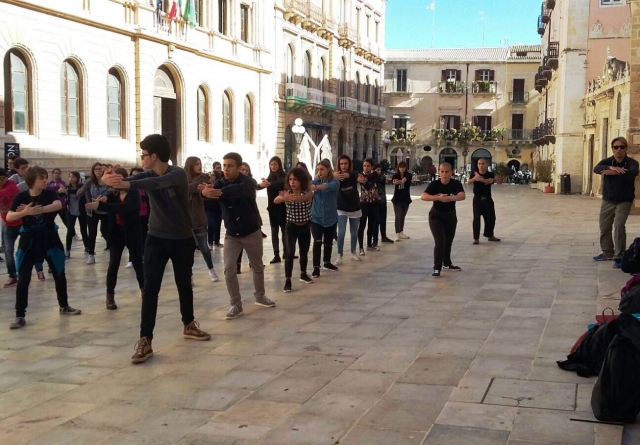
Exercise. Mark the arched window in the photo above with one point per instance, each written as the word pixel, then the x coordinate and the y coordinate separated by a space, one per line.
pixel 248 120
pixel 116 125
pixel 203 114
pixel 323 75
pixel 357 86
pixel 291 64
pixel 375 93
pixel 70 99
pixel 619 106
pixel 306 81
pixel 343 78
pixel 227 117
pixel 18 97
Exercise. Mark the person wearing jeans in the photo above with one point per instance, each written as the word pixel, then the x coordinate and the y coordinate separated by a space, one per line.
pixel 348 206
pixel 170 237
pixel 324 216
pixel 401 198
pixel 618 192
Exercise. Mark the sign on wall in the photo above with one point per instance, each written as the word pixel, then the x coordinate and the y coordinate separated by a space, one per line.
pixel 11 148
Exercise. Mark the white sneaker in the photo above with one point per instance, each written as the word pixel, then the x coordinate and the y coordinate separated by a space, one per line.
pixel 91 259
pixel 398 237
pixel 338 260
pixel 361 252
pixel 210 246
pixel 213 275
pixel 129 265
pixel 78 238
pixel 355 256
pixel 403 236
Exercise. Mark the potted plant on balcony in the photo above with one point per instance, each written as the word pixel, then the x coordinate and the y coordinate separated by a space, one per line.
pixel 501 171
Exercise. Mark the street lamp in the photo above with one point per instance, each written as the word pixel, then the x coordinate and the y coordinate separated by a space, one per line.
pixel 298 131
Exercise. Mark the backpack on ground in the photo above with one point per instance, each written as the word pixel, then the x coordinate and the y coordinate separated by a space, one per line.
pixel 630 296
pixel 616 394
pixel 631 258
pixel 589 351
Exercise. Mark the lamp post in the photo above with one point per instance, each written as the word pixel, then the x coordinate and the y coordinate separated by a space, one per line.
pixel 298 133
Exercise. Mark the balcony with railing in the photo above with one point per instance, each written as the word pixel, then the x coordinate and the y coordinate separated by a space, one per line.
pixel 295 94
pixel 348 104
pixel 314 17
pixel 484 87
pixel 546 71
pixel 540 26
pixel 346 35
pixel 295 10
pixel 374 110
pixel 363 108
pixel 544 133
pixel 329 101
pixel 545 13
pixel 519 134
pixel 314 96
pixel 551 4
pixel 541 78
pixel 451 87
pixel 382 113
pixel 329 27
pixel 553 54
pixel 519 97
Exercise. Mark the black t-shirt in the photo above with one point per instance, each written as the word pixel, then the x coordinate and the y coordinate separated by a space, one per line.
pixel 481 189
pixel 452 188
pixel 43 222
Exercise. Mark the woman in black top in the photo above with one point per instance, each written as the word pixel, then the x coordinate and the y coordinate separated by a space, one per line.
pixel 348 205
pixel 401 197
pixel 369 196
pixel 277 212
pixel 444 193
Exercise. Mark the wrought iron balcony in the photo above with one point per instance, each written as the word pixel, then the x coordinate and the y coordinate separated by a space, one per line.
pixel 540 26
pixel 551 4
pixel 544 133
pixel 519 134
pixel 545 14
pixel 519 97
pixel 452 87
pixel 484 87
pixel 553 54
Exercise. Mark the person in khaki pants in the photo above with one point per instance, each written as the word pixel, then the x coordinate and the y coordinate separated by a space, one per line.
pixel 618 192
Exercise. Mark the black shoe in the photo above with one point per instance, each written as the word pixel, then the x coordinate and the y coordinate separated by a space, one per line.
pixel 18 323
pixel 69 311
pixel 329 266
pixel 295 257
pixel 234 312
pixel 265 302
pixel 452 267
pixel 276 259
pixel 436 273
pixel 264 235
pixel 387 240
pixel 316 272
pixel 287 285
pixel 305 278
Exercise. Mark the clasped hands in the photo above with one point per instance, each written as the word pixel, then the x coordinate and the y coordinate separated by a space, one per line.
pixel 93 205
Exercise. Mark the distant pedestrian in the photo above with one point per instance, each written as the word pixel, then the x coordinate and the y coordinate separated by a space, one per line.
pixel 618 192
pixel 401 198
pixel 483 206
pixel 444 193
pixel 382 208
pixel 324 216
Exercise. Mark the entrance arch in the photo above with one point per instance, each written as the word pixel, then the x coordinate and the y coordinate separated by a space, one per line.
pixel 480 153
pixel 288 148
pixel 426 162
pixel 167 100
pixel 515 163
pixel 448 154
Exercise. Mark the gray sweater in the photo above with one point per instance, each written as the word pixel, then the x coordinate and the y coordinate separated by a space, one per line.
pixel 169 199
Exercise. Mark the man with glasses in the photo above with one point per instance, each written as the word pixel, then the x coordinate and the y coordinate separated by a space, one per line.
pixel 618 192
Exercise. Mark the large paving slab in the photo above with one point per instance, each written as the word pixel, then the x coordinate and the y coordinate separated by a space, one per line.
pixel 377 353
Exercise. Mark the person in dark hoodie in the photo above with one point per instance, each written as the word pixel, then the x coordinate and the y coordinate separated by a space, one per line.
pixel 237 195
pixel 124 231
pixel 277 212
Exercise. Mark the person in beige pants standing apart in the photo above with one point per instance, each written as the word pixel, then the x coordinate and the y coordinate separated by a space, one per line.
pixel 618 192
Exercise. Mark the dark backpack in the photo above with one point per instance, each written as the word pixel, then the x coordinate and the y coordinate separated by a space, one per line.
pixel 630 296
pixel 616 394
pixel 587 359
pixel 631 258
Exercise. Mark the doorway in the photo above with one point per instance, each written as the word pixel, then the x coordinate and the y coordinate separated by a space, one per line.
pixel 591 155
pixel 450 156
pixel 166 112
pixel 480 153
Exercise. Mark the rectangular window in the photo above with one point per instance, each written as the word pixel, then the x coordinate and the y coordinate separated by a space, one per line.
pixel 113 106
pixel 222 17
pixel 244 23
pixel 358 10
pixel 605 3
pixel 377 34
pixel 200 13
pixel 484 75
pixel 401 80
pixel 451 75
pixel 483 122
pixel 368 24
pixel 19 93
pixel 517 126
pixel 450 121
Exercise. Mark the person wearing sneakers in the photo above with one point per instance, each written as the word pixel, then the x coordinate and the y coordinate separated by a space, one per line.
pixel 277 212
pixel 324 215
pixel 382 208
pixel 193 167
pixel 443 192
pixel 124 231
pixel 93 189
pixel 8 191
pixel 73 212
pixel 237 195
pixel 348 206
pixel 39 241
pixel 369 196
pixel 297 197
pixel 483 206
pixel 401 198
pixel 618 192
pixel 170 237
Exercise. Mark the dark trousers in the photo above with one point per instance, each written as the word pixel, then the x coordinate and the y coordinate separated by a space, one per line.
pixel 214 220
pixel 302 235
pixel 71 231
pixel 443 227
pixel 118 243
pixel 92 223
pixel 400 211
pixel 157 252
pixel 382 222
pixel 63 216
pixel 486 209
pixel 322 235
pixel 275 240
pixel 84 228
pixel 25 267
pixel 369 213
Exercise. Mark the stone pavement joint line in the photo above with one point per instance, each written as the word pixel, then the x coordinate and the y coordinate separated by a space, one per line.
pixel 377 353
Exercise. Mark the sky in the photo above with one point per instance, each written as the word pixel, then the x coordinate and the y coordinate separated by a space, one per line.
pixel 459 23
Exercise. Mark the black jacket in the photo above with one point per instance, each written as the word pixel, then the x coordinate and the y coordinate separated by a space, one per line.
pixel 130 209
pixel 238 202
pixel 618 188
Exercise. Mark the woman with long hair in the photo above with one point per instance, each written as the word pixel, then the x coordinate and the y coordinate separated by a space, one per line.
pixel 297 198
pixel 348 206
pixel 324 215
pixel 94 189
pixel 144 213
pixel 73 211
pixel 277 211
pixel 213 211
pixel 60 187
pixel 369 196
pixel 123 208
pixel 193 167
pixel 401 198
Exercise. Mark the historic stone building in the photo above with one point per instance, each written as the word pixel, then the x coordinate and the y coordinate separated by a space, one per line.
pixel 87 80
pixel 434 96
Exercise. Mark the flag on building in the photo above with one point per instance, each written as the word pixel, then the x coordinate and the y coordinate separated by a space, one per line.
pixel 190 13
pixel 174 10
pixel 159 11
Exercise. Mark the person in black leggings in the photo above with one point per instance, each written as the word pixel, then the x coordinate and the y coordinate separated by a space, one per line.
pixel 369 196
pixel 444 193
pixel 277 212
pixel 74 210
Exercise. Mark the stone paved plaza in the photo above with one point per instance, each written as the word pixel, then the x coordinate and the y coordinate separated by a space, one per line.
pixel 377 353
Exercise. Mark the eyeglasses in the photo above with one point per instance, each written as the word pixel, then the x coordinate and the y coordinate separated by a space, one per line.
pixel 143 155
pixel 619 147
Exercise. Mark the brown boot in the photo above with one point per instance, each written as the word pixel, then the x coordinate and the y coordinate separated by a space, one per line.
pixel 143 351
pixel 111 302
pixel 193 331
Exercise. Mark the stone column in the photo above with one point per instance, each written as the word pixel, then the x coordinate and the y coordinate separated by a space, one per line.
pixel 633 133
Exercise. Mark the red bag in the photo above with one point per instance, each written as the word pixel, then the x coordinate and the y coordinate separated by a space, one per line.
pixel 606 318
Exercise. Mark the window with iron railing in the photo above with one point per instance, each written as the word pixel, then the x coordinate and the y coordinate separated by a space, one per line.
pixel 401 80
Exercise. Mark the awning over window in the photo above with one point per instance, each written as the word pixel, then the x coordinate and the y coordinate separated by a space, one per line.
pixel 485 108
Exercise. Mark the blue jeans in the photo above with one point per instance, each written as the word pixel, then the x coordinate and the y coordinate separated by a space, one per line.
pixel 353 230
pixel 200 235
pixel 10 237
